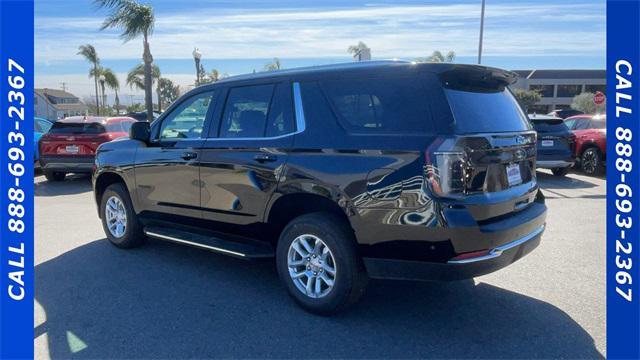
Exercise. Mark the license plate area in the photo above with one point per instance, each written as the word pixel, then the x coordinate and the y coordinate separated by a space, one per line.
pixel 547 143
pixel 514 177
pixel 72 149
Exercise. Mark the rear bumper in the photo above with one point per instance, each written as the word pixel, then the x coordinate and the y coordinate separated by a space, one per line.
pixel 497 258
pixel 552 164
pixel 75 164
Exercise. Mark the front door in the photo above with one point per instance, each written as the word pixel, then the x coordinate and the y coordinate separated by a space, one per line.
pixel 242 158
pixel 167 171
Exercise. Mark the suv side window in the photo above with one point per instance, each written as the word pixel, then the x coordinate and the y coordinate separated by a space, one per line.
pixel 246 111
pixel 280 121
pixel 380 105
pixel 570 124
pixel 581 125
pixel 187 120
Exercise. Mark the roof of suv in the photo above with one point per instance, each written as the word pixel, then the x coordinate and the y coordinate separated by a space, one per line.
pixel 440 68
pixel 93 119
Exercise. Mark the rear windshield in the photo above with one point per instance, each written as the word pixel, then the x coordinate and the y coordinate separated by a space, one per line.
pixel 598 124
pixel 380 105
pixel 549 125
pixel 76 128
pixel 486 111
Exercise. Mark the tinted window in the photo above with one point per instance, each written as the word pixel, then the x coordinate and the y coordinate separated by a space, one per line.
pixel 598 124
pixel 582 124
pixel 42 126
pixel 388 105
pixel 476 112
pixel 120 126
pixel 570 123
pixel 245 113
pixel 187 120
pixel 549 125
pixel 76 128
pixel 280 121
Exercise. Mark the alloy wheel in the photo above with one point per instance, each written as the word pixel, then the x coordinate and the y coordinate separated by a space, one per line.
pixel 312 267
pixel 116 216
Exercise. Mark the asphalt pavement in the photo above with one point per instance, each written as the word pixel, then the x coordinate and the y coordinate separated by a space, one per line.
pixel 168 301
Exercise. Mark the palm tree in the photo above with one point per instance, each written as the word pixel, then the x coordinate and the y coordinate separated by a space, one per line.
pixel 437 56
pixel 89 53
pixel 358 49
pixel 274 65
pixel 134 19
pixel 135 79
pixel 111 80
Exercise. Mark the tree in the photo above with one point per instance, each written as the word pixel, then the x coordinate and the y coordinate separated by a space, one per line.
pixel 584 102
pixel 274 65
pixel 437 56
pixel 90 54
pixel 354 49
pixel 111 80
pixel 211 77
pixel 135 79
pixel 168 91
pixel 526 98
pixel 134 19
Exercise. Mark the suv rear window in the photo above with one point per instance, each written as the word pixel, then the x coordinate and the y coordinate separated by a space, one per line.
pixel 549 125
pixel 486 111
pixel 76 128
pixel 380 105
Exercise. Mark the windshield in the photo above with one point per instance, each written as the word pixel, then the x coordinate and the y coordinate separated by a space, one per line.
pixel 549 125
pixel 490 111
pixel 76 128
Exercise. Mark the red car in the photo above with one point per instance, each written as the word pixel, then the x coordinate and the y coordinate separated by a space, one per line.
pixel 591 141
pixel 70 145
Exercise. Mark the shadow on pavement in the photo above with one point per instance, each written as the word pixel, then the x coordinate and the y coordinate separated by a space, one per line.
pixel 72 184
pixel 549 181
pixel 168 301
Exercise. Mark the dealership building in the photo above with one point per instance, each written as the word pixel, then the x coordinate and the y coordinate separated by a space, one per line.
pixel 558 87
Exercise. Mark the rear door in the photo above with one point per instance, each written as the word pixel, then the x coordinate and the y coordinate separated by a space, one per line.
pixel 167 171
pixel 246 151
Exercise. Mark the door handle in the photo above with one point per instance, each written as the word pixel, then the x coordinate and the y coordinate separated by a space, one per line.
pixel 189 155
pixel 263 157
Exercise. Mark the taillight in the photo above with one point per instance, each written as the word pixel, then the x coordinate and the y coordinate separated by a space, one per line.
pixel 446 168
pixel 572 142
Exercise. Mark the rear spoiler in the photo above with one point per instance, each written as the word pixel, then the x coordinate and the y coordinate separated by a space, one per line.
pixel 477 78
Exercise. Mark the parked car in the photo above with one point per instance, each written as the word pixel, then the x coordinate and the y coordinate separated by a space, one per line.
pixel 341 172
pixel 40 126
pixel 565 113
pixel 71 143
pixel 556 144
pixel 591 141
pixel 142 115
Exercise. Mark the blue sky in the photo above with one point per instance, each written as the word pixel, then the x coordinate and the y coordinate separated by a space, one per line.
pixel 239 36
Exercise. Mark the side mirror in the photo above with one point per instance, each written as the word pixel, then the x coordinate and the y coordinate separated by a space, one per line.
pixel 140 131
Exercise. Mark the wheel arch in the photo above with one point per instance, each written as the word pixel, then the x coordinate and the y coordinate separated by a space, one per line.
pixel 286 207
pixel 104 180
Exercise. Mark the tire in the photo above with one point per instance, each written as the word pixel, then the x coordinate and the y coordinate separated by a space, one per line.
pixel 591 161
pixel 560 171
pixel 349 279
pixel 132 234
pixel 54 176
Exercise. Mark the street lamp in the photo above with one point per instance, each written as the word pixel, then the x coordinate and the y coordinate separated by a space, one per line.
pixel 102 80
pixel 481 33
pixel 197 55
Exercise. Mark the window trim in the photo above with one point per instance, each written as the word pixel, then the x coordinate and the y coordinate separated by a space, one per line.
pixel 298 113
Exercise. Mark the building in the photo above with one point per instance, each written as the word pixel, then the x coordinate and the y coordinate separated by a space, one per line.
pixel 55 104
pixel 558 87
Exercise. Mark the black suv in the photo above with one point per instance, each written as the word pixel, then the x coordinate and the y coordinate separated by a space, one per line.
pixel 342 173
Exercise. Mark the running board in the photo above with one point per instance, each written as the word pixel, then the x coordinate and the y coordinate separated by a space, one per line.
pixel 244 249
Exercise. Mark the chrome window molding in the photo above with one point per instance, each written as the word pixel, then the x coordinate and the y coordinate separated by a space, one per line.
pixel 299 117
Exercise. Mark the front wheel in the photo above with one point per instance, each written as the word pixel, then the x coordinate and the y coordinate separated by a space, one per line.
pixel 591 162
pixel 119 220
pixel 318 263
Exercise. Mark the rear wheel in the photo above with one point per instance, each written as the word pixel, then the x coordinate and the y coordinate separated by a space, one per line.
pixel 319 265
pixel 54 175
pixel 119 220
pixel 591 161
pixel 560 171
